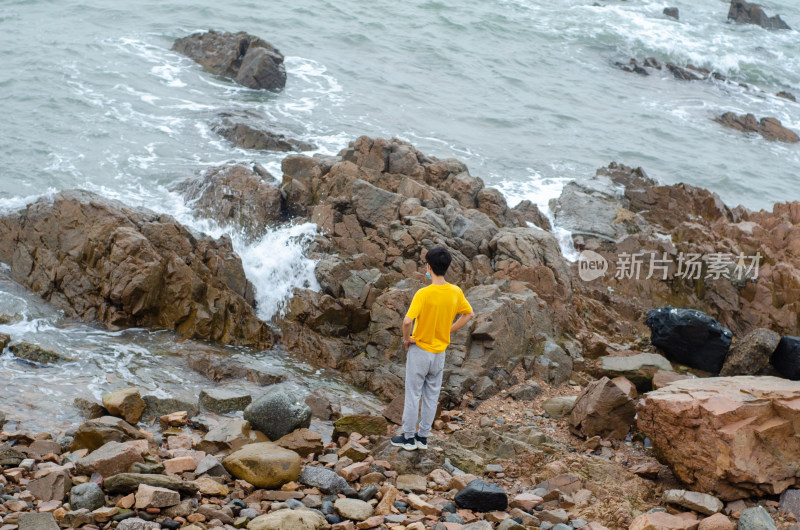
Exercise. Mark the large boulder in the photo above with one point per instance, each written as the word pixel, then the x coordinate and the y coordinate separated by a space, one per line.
pixel 244 58
pixel 278 412
pixel 734 437
pixel 265 465
pixel 603 409
pixel 746 13
pixel 751 354
pixel 786 357
pixel 241 196
pixel 690 337
pixel 99 260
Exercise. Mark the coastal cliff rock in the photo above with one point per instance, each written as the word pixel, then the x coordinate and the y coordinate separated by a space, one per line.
pixel 241 196
pixel 379 205
pixel 681 246
pixel 743 12
pixel 99 260
pixel 246 59
pixel 735 437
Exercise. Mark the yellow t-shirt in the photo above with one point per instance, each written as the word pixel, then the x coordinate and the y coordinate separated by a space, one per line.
pixel 434 307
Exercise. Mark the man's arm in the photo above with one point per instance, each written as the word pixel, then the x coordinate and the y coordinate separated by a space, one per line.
pixel 408 324
pixel 462 321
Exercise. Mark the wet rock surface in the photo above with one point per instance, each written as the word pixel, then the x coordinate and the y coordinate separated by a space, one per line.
pixel 744 12
pixel 246 59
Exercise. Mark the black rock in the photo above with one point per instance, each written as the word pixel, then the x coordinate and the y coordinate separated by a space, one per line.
pixel 449 507
pixel 333 519
pixel 527 392
pixel 689 337
pixel 169 523
pixel 480 496
pixel 671 12
pixel 786 358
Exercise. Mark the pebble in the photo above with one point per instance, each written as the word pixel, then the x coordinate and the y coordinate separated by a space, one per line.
pixel 252 514
pixel 401 506
pixel 368 493
pixel 294 504
pixel 333 519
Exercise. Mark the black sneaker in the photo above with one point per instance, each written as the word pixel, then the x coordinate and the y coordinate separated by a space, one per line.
pixel 421 441
pixel 409 444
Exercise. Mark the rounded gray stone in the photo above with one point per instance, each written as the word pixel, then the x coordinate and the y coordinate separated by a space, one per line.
pixel 88 495
pixel 278 412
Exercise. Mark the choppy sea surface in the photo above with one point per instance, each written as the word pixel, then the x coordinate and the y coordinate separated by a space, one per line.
pixel 525 92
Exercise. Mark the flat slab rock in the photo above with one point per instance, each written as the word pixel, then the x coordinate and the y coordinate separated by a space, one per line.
pixel 735 437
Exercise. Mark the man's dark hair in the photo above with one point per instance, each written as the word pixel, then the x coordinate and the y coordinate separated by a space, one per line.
pixel 439 259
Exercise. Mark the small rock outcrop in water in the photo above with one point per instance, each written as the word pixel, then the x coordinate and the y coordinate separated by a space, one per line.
pixel 249 132
pixel 244 58
pixel 730 436
pixel 769 128
pixel 746 13
pixel 242 196
pixel 786 95
pixel 690 337
pixel 100 260
pixel 34 353
pixel 671 12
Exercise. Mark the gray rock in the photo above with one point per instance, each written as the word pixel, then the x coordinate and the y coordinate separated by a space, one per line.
pixel 136 523
pixel 156 406
pixel 249 513
pixel 128 482
pixel 88 495
pixel 211 466
pixel 526 392
pixel 756 518
pixel 222 400
pixel 326 480
pixel 560 406
pixel 790 502
pixel 554 365
pixel 354 509
pixel 278 412
pixel 37 521
pixel 90 409
pixel 510 524
pixel 694 500
pixel 478 525
pixel 672 12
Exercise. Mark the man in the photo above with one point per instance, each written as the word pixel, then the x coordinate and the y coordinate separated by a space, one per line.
pixel 433 308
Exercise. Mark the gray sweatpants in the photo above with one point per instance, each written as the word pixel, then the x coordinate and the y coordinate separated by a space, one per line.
pixel 423 378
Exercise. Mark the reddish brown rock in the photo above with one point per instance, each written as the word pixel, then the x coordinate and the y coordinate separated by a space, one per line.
pixel 302 441
pixel 100 260
pixel 603 409
pixel 662 378
pixel 737 435
pixel 663 521
pixel 126 403
pixel 110 459
pixel 245 197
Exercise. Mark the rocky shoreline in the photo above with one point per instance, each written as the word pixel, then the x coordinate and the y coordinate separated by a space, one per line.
pixel 541 396
pixel 651 384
